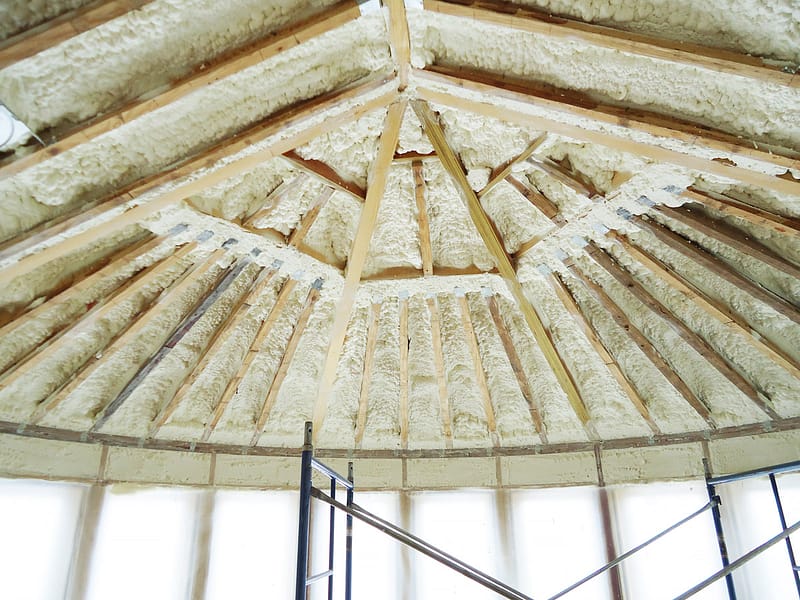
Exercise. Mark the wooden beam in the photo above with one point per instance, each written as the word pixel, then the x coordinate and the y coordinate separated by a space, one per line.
pixel 715 309
pixel 298 235
pixel 500 173
pixel 701 256
pixel 286 360
pixel 494 245
pixel 534 405
pixel 613 137
pixel 326 174
pixel 303 116
pixel 531 21
pixel 412 156
pixel 690 337
pixel 399 39
pixel 376 184
pixel 366 374
pixel 546 206
pixel 274 198
pixel 316 255
pixel 554 170
pixel 263 331
pixel 404 342
pixel 60 29
pixel 621 319
pixel 422 218
pixel 441 379
pixel 593 336
pixel 785 226
pixel 207 74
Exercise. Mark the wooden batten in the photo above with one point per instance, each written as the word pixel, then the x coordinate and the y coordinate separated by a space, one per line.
pixel 689 336
pixel 726 206
pixel 286 360
pixel 614 138
pixel 404 383
pixel 413 156
pixel 304 113
pixel 326 174
pixel 441 379
pixel 399 40
pixel 422 218
pixel 366 374
pixel 621 319
pixel 716 60
pixel 487 232
pixel 376 185
pixel 500 173
pixel 229 64
pixel 534 405
pixel 307 222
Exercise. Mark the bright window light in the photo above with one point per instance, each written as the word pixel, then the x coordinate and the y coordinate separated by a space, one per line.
pixel 38 520
pixel 144 544
pixel 679 560
pixel 559 540
pixel 253 545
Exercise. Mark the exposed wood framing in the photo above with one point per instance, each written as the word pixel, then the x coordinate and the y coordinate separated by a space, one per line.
pixel 613 137
pixel 412 156
pixel 272 201
pixel 546 206
pixel 61 28
pixel 286 360
pixel 477 364
pixel 708 305
pixel 326 174
pixel 696 253
pixel 302 116
pixel 376 184
pixel 591 334
pixel 366 374
pixel 757 216
pixel 555 171
pixel 209 74
pixel 487 232
pixel 441 380
pixel 422 218
pixel 534 406
pixel 689 336
pixel 298 235
pixel 413 273
pixel 532 21
pixel 399 39
pixel 500 173
pixel 316 255
pixel 645 346
pixel 403 341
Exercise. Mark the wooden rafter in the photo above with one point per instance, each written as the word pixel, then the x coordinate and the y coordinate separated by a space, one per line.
pixel 286 360
pixel 554 170
pixel 644 345
pixel 403 342
pixel 326 174
pixel 272 201
pixel 690 337
pixel 413 156
pixel 399 39
pixel 376 184
pixel 227 65
pixel 546 206
pixel 62 28
pixel 525 19
pixel 303 116
pixel 298 235
pixel 414 273
pixel 487 232
pixel 500 173
pixel 613 137
pixel 422 218
pixel 534 406
pixel 366 374
pixel 441 380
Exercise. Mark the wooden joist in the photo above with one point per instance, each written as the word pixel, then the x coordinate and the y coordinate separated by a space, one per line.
pixel 61 28
pixel 605 353
pixel 414 273
pixel 404 341
pixel 413 156
pixel 326 174
pixel 546 206
pixel 621 319
pixel 716 60
pixel 399 40
pixel 500 173
pixel 272 201
pixel 366 374
pixel 299 233
pixel 487 232
pixel 441 378
pixel 615 136
pixel 286 361
pixel 534 406
pixel 422 218
pixel 223 67
pixel 690 337
pixel 376 184
pixel 300 115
